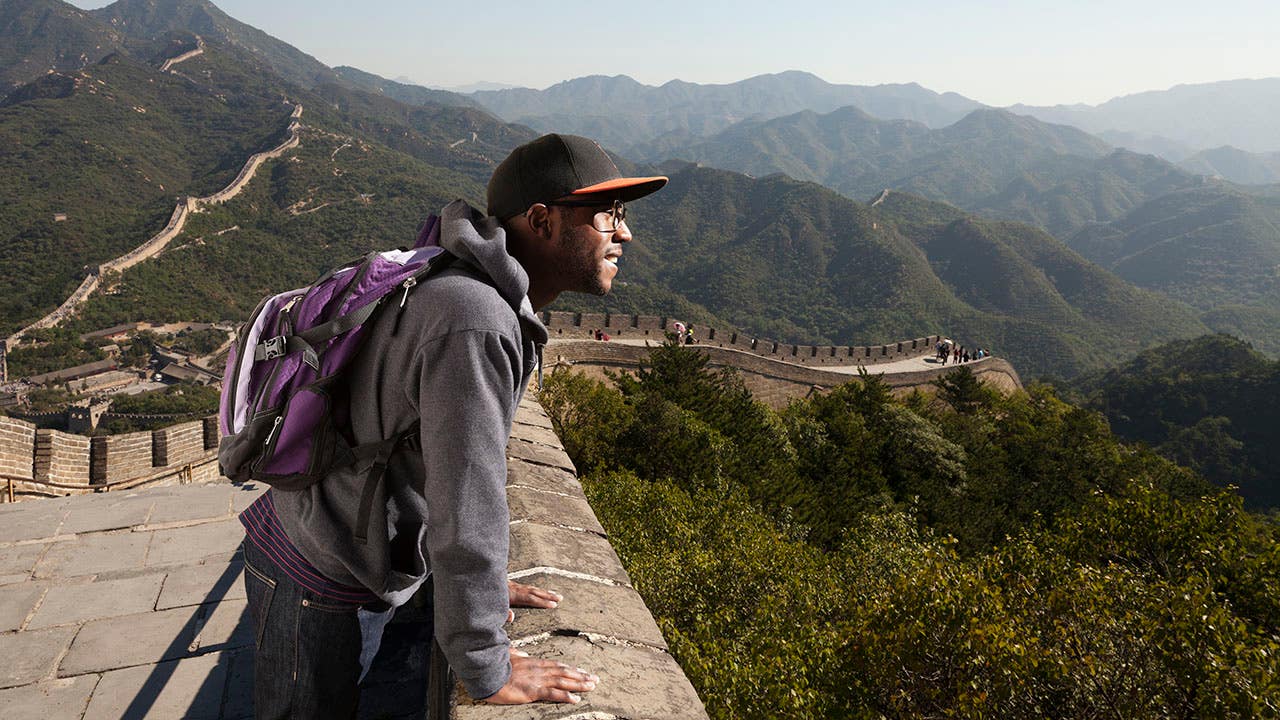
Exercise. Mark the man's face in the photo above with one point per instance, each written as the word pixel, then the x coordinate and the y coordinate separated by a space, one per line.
pixel 588 257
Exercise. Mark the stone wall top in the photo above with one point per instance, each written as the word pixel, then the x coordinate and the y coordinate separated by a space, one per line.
pixel 602 623
pixel 621 326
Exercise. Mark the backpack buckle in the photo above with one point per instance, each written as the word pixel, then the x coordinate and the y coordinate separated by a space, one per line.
pixel 274 347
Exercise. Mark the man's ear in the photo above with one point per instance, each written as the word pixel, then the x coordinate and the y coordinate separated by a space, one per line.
pixel 539 218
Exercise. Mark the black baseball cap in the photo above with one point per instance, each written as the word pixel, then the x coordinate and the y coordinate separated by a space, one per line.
pixel 557 165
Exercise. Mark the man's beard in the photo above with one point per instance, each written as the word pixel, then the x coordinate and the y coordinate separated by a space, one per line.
pixel 581 268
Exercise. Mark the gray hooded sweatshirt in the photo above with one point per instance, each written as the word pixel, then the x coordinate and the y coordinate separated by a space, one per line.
pixel 467 342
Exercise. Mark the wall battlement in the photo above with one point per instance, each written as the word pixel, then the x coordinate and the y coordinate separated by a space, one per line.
pixel 568 325
pixel 772 380
pixel 186 452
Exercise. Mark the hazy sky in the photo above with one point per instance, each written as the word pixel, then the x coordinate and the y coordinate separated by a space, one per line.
pixel 998 53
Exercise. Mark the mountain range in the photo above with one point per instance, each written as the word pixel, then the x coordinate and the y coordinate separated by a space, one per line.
pixel 779 256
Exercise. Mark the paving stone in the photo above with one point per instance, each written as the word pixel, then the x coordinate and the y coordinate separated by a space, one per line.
pixel 191 689
pixel 635 682
pixel 244 495
pixel 17 602
pixel 228 627
pixel 60 699
pixel 535 434
pixel 535 545
pixel 197 542
pixel 94 554
pixel 31 519
pixel 20 560
pixel 26 657
pixel 532 414
pixel 532 452
pixel 65 604
pixel 192 502
pixel 610 610
pixel 109 512
pixel 157 636
pixel 13 579
pixel 542 477
pixel 550 508
pixel 197 584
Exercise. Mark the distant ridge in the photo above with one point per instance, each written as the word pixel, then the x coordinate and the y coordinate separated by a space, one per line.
pixel 622 112
pixel 1241 113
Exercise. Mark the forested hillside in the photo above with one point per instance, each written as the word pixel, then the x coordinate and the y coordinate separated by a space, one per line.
pixel 966 555
pixel 1212 404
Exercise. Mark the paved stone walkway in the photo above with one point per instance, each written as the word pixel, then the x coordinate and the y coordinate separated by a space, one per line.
pixel 125 605
pixel 132 605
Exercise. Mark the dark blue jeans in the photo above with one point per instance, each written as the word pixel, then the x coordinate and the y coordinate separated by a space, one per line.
pixel 307 663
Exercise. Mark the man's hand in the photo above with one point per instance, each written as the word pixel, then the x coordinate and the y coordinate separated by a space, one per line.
pixel 532 597
pixel 535 680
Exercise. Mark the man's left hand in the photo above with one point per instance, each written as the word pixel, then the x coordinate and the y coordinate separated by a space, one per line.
pixel 532 597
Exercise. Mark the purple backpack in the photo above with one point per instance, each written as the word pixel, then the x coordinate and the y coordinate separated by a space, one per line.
pixel 280 422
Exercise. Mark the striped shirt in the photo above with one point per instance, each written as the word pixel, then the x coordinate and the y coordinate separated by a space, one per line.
pixel 263 529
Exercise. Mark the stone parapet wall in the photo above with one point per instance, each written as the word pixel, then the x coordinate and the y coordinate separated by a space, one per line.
pixel 212 432
pixel 770 380
pixel 62 458
pixel 17 448
pixel 569 325
pixel 177 444
pixel 117 458
pixel 183 453
pixel 602 624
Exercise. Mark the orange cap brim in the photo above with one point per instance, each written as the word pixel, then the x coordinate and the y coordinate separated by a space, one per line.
pixel 629 188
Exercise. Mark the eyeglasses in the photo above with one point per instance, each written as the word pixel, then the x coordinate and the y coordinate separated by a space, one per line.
pixel 605 221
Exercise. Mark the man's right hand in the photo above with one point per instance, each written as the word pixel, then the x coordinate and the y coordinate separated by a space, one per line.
pixel 534 680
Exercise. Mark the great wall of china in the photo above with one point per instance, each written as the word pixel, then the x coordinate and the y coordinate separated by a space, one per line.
pixel 182 212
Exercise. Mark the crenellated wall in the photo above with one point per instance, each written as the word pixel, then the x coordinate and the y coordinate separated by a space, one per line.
pixel 570 325
pixel 120 457
pixel 31 458
pixel 770 379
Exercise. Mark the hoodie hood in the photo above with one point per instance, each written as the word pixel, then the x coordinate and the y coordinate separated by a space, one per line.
pixel 480 241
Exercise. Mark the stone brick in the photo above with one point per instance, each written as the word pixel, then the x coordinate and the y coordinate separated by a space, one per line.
pixel 65 604
pixel 17 448
pixel 635 682
pixel 62 458
pixel 549 508
pixel 178 444
pixel 20 559
pixel 157 636
pixel 26 657
pixel 191 689
pixel 117 458
pixel 542 454
pixel 191 502
pixel 613 611
pixel 58 699
pixel 533 434
pixel 191 544
pixel 17 602
pixel 31 520
pixel 200 584
pixel 111 511
pixel 534 546
pixel 529 414
pixel 94 554
pixel 541 477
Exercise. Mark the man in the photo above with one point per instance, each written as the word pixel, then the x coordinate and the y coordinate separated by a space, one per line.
pixel 456 361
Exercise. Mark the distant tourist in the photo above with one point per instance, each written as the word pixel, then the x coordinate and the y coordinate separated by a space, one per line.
pixel 689 339
pixel 454 363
